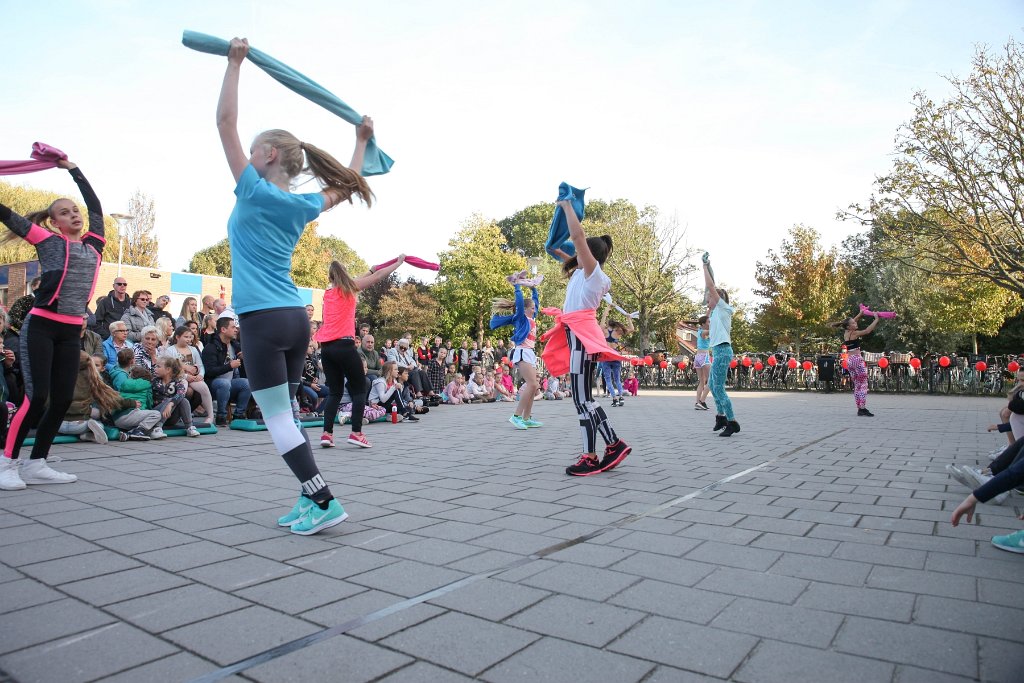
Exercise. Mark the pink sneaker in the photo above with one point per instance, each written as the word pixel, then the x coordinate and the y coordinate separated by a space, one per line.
pixel 359 440
pixel 327 440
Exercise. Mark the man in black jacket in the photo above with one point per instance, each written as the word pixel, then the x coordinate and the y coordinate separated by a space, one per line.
pixel 222 358
pixel 112 307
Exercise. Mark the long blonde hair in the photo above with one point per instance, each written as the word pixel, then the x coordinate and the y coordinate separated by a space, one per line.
pixel 331 173
pixel 106 398
pixel 40 218
pixel 189 315
pixel 502 306
pixel 340 279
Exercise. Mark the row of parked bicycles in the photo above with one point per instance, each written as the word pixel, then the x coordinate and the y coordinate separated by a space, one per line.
pixel 887 372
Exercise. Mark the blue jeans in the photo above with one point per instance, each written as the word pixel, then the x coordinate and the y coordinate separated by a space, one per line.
pixel 612 371
pixel 719 370
pixel 225 389
pixel 316 397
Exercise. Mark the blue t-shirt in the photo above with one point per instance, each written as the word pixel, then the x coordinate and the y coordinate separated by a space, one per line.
pixel 703 344
pixel 721 323
pixel 263 230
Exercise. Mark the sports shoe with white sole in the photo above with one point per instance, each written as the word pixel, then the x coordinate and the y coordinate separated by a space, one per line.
pixel 37 471
pixel 316 520
pixel 1013 543
pixel 297 512
pixel 10 479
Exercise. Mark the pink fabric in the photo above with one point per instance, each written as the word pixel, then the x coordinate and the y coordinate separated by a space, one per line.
pixel 57 317
pixel 37 234
pixel 43 157
pixel 413 261
pixel 632 385
pixel 584 324
pixel 881 314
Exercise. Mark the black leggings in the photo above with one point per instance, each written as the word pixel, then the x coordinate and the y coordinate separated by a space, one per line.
pixel 593 420
pixel 49 364
pixel 274 344
pixel 343 363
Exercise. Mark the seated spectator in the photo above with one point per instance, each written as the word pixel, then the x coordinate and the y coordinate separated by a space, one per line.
pixel 117 340
pixel 112 307
pixel 386 392
pixel 389 352
pixel 423 353
pixel 148 349
pixel 370 413
pixel 169 398
pixel 143 423
pixel 208 330
pixel 91 343
pixel 189 313
pixel 371 357
pixel 507 386
pixel 553 392
pixel 164 331
pixel 415 403
pixel 195 329
pixel 417 378
pixel 191 359
pixel 81 419
pixel 158 308
pixel 993 488
pixel 138 316
pixel 491 385
pixel 436 371
pixel 311 388
pixel 222 358
pixel 456 390
pixel 476 389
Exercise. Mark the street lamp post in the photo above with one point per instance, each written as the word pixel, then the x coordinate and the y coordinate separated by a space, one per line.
pixel 121 219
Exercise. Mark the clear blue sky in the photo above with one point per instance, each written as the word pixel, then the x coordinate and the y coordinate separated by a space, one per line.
pixel 740 119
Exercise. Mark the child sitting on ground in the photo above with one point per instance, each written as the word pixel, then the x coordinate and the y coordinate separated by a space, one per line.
pixel 169 389
pixel 553 392
pixel 456 391
pixel 133 383
pixel 475 388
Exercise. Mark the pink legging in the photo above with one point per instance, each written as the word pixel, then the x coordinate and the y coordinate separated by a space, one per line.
pixel 859 373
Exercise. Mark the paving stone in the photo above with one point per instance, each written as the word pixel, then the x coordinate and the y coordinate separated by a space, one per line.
pixel 47 622
pixel 299 592
pixel 779 622
pixel 822 569
pixel 906 644
pixel 460 642
pixel 581 621
pixel 593 583
pixel 491 599
pixel 434 551
pixel 407 578
pixel 753 559
pixel 912 674
pixel 287 546
pixel 754 585
pixel 1000 660
pixel 655 543
pixel 228 638
pixel 338 659
pixel 687 646
pixel 146 541
pixel 670 600
pixel 913 581
pixel 103 590
pixel 21 593
pixel 67 569
pixel 176 607
pixel 865 602
pixel 43 549
pixel 774 662
pixel 552 661
pixel 795 544
pixel 367 603
pixel 231 575
pixel 87 656
pixel 178 667
pixel 970 617
pixel 663 568
pixel 422 671
pixel 106 529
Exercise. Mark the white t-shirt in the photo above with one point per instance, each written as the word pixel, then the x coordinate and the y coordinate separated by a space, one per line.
pixel 584 292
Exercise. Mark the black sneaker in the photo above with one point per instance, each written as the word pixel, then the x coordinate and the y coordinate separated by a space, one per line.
pixel 122 436
pixel 864 412
pixel 138 435
pixel 411 418
pixel 720 422
pixel 704 406
pixel 614 454
pixel 585 466
pixel 222 421
pixel 731 427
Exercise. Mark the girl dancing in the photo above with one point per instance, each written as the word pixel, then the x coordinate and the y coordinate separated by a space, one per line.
pixel 263 229
pixel 340 350
pixel 50 348
pixel 720 333
pixel 702 362
pixel 522 315
pixel 855 361
pixel 611 370
pixel 576 341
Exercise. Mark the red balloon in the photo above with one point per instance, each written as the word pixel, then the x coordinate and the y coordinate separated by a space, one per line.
pixel 773 361
pixel 981 366
pixel 663 364
pixel 746 361
pixel 681 365
pixel 915 363
pixel 883 362
pixel 808 365
pixel 648 361
pixel 944 361
pixel 792 363
pixel 846 364
pixel 634 362
pixel 504 359
pixel 1014 366
pixel 759 366
pixel 733 363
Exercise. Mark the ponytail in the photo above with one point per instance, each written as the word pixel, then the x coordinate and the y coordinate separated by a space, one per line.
pixel 40 218
pixel 340 279
pixel 334 176
pixel 600 249
pixel 501 306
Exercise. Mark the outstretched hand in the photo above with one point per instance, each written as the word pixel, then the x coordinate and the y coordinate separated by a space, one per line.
pixel 364 131
pixel 238 49
pixel 964 508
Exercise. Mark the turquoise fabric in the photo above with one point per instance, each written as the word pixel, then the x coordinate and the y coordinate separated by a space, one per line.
pixel 558 234
pixel 702 343
pixel 375 162
pixel 263 230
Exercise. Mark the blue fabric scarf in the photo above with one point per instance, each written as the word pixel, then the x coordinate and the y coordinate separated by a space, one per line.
pixel 558 235
pixel 375 162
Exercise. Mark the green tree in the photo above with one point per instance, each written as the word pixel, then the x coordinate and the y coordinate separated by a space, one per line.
pixel 804 287
pixel 310 260
pixel 409 307
pixel 952 202
pixel 140 244
pixel 526 231
pixel 25 200
pixel 473 272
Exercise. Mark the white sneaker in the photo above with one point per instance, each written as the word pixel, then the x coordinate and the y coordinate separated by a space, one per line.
pixel 996 453
pixel 37 471
pixel 99 434
pixel 10 480
pixel 979 478
pixel 192 431
pixel 157 433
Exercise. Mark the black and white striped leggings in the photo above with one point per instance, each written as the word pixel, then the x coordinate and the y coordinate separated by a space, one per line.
pixel 593 419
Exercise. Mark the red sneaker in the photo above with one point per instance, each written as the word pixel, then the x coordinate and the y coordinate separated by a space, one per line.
pixel 587 464
pixel 327 440
pixel 359 440
pixel 614 454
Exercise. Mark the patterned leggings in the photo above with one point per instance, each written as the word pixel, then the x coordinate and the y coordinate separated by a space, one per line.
pixel 859 373
pixel 719 372
pixel 593 419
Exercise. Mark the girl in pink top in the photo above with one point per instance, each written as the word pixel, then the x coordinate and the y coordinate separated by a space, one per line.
pixel 339 349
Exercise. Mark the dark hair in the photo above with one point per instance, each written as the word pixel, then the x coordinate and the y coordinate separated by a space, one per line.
pixel 703 319
pixel 722 294
pixel 125 357
pixel 600 248
pixel 841 325
pixel 137 293
pixel 180 331
pixel 223 322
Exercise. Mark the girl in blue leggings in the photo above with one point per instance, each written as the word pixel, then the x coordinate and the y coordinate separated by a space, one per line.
pixel 720 333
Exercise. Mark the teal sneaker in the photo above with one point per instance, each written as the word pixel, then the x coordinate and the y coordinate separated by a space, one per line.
pixel 1013 543
pixel 517 422
pixel 316 520
pixel 530 422
pixel 300 509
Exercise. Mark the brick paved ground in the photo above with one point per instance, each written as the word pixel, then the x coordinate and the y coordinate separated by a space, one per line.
pixel 834 562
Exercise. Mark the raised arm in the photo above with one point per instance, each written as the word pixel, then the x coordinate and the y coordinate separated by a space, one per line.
pixel 870 328
pixel 364 131
pixel 584 258
pixel 375 276
pixel 536 302
pixel 604 317
pixel 709 283
pixel 520 302
pixel 227 109
pixel 92 202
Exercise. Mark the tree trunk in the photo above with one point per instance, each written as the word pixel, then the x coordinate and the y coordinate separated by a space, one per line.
pixel 974 339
